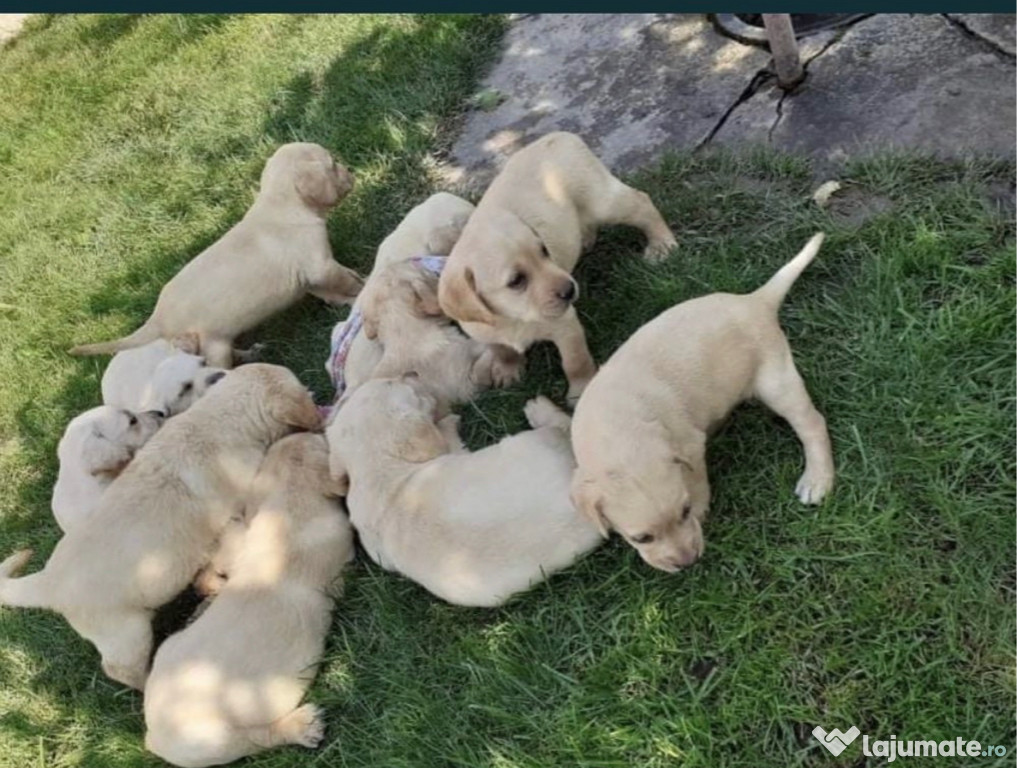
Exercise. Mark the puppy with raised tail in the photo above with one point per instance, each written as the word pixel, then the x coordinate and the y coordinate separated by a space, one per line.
pixel 278 253
pixel 508 279
pixel 231 684
pixel 157 523
pixel 472 528
pixel 640 429
pixel 96 447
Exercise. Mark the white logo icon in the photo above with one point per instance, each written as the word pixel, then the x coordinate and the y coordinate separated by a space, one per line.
pixel 835 740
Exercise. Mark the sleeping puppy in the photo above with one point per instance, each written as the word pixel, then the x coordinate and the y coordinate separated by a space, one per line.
pixel 640 428
pixel 178 382
pixel 276 254
pixel 472 528
pixel 156 524
pixel 508 278
pixel 95 448
pixel 231 684
pixel 403 328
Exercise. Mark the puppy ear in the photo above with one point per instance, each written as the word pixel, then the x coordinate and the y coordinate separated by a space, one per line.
pixel 316 185
pixel 425 297
pixel 442 239
pixel 459 298
pixel 296 408
pixel 104 457
pixel 187 342
pixel 370 309
pixel 423 442
pixel 588 500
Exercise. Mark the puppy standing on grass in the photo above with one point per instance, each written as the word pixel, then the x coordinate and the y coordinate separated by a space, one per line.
pixel 97 445
pixel 231 684
pixel 508 280
pixel 278 253
pixel 472 528
pixel 157 523
pixel 640 429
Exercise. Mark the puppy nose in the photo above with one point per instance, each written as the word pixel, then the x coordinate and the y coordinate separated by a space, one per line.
pixel 685 558
pixel 568 291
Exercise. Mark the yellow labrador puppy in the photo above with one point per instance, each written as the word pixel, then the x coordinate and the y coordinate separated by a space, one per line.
pixel 472 528
pixel 396 324
pixel 231 684
pixel 508 278
pixel 276 254
pixel 96 447
pixel 157 523
pixel 640 429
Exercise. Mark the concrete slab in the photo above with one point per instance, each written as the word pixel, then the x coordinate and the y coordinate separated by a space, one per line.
pixel 999 29
pixel 893 80
pixel 630 84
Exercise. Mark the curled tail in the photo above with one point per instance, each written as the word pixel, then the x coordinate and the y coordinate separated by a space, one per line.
pixel 776 288
pixel 144 335
pixel 19 592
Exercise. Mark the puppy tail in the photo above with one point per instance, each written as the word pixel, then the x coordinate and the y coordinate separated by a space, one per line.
pixel 144 335
pixel 19 592
pixel 776 288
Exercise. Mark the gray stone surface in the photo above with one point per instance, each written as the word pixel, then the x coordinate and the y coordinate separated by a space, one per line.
pixel 634 85
pixel 898 80
pixel 996 28
pixel 628 83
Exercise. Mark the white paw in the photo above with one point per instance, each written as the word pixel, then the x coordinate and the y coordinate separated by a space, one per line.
pixel 504 373
pixel 659 250
pixel 314 728
pixel 541 412
pixel 813 486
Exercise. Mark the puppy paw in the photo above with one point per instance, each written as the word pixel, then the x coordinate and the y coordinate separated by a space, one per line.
pixel 506 370
pixel 250 355
pixel 541 412
pixel 308 726
pixel 658 250
pixel 813 486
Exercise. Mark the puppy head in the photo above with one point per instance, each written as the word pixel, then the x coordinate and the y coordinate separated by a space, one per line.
pixel 309 172
pixel 275 392
pixel 652 513
pixel 105 439
pixel 503 269
pixel 301 460
pixel 178 381
pixel 395 418
pixel 400 295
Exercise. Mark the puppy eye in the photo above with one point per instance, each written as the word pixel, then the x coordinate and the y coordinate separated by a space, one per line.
pixel 518 281
pixel 686 511
pixel 132 420
pixel 543 251
pixel 643 538
pixel 187 387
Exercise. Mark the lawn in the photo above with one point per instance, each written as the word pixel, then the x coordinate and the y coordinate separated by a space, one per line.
pixel 127 144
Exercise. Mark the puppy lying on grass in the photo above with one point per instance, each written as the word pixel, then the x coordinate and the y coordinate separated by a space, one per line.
pixel 96 447
pixel 157 523
pixel 230 685
pixel 508 278
pixel 472 528
pixel 160 376
pixel 640 429
pixel 276 254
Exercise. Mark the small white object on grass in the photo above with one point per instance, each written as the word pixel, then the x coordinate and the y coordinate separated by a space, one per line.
pixel 826 190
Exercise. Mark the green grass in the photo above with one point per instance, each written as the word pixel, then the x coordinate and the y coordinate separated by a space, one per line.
pixel 127 144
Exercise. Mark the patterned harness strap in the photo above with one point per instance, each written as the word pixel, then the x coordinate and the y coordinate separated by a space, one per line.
pixel 346 331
